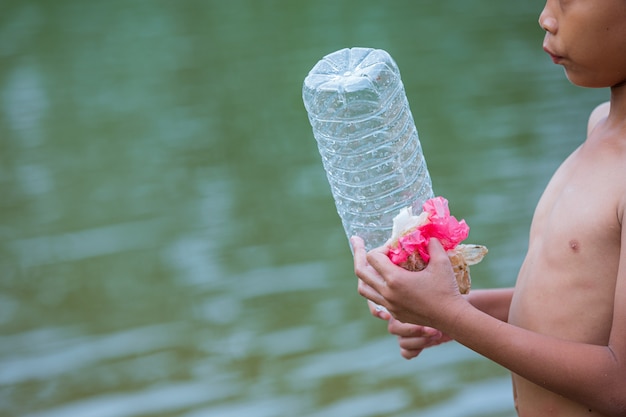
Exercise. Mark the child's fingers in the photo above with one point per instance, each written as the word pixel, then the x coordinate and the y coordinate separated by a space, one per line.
pixel 410 354
pixel 401 329
pixel 371 294
pixel 360 256
pixel 436 251
pixel 364 271
pixel 378 311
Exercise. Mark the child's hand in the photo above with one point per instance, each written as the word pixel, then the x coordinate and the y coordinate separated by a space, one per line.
pixel 413 338
pixel 376 310
pixel 423 297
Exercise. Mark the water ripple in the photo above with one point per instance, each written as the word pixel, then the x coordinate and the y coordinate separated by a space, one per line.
pixel 158 399
pixel 83 244
pixel 56 360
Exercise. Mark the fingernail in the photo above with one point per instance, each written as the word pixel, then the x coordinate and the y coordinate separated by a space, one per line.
pixel 381 309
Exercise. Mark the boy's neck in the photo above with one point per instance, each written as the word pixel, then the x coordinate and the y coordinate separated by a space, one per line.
pixel 617 114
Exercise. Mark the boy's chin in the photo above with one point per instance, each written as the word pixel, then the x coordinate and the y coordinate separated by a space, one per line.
pixel 590 81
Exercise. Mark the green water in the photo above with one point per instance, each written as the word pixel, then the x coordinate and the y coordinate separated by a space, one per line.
pixel 168 242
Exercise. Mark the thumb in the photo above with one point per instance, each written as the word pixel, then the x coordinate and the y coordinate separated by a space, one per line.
pixel 436 251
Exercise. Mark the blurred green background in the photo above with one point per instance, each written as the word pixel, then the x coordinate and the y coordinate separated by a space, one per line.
pixel 168 242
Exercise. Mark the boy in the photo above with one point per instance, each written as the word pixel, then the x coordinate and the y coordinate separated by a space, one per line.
pixel 562 330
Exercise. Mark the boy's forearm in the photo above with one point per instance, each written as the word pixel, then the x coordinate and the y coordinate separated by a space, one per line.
pixel 588 374
pixel 495 302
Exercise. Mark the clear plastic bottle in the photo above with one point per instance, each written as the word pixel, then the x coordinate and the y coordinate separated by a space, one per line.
pixel 367 138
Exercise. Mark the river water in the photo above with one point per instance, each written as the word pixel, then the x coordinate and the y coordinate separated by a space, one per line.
pixel 168 242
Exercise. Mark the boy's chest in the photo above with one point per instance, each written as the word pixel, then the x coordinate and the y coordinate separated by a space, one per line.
pixel 581 204
pixel 573 254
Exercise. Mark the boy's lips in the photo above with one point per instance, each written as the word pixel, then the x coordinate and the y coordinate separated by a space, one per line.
pixel 555 58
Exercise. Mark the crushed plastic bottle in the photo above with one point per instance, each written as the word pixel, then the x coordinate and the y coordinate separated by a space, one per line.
pixel 367 139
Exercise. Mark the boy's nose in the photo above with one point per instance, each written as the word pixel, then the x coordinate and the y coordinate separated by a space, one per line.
pixel 547 22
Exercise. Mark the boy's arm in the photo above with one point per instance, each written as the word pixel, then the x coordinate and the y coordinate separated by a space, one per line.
pixel 495 302
pixel 589 374
pixel 413 338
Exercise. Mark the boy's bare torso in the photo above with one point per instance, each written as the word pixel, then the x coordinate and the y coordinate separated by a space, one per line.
pixel 566 285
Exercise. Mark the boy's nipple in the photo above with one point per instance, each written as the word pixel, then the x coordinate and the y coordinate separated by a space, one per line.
pixel 574 245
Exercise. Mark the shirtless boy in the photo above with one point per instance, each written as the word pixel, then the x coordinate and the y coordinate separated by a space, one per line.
pixel 562 330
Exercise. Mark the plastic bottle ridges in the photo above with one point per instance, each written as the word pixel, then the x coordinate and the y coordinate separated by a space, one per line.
pixel 367 139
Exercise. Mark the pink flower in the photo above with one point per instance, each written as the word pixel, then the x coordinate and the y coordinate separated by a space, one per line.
pixel 440 225
pixel 398 255
pixel 408 244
